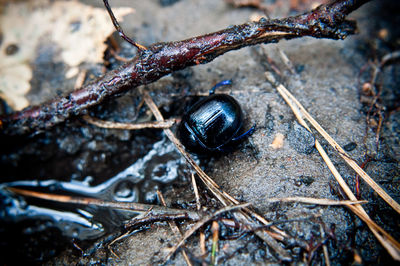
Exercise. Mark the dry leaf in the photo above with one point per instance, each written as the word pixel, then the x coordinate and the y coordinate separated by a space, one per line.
pixel 77 30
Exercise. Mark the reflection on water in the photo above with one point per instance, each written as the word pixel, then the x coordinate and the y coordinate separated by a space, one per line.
pixel 161 166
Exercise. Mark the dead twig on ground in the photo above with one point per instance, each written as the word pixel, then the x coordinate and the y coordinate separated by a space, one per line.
pixel 202 236
pixel 324 247
pixel 245 216
pixel 202 222
pixel 174 227
pixel 301 112
pixel 160 59
pixel 317 201
pixel 130 126
pixel 391 245
pixel 371 95
pixel 196 193
pixel 146 209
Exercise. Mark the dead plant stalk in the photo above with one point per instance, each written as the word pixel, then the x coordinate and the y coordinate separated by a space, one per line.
pixel 391 245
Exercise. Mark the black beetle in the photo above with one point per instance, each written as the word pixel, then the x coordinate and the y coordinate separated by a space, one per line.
pixel 213 125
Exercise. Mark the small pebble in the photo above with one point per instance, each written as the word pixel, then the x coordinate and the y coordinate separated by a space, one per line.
pixel 300 139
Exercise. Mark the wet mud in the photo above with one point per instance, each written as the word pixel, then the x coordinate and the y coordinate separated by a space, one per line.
pixel 79 159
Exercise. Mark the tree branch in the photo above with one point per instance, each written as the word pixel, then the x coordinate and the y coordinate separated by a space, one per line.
pixel 160 59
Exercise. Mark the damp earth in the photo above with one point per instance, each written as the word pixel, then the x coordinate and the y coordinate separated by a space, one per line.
pixel 79 159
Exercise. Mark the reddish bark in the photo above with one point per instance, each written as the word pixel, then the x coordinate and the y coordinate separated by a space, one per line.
pixel 160 59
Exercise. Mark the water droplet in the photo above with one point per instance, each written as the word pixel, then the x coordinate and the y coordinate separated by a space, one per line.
pixel 126 191
pixel 263 20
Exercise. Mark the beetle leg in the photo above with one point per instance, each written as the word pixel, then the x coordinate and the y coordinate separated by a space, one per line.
pixel 222 83
pixel 245 134
pixel 229 147
pixel 225 149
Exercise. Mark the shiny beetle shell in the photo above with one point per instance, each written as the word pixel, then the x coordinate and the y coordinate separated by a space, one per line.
pixel 211 125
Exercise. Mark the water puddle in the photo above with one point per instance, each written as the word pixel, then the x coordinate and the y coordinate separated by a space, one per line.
pixel 161 167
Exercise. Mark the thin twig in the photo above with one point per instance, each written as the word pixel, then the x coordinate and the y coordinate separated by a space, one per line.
pixel 202 236
pixel 118 57
pixel 391 245
pixel 119 29
pixel 221 91
pixel 202 222
pixel 196 193
pixel 285 59
pixel 337 147
pixel 131 206
pixel 317 201
pixel 149 218
pixel 130 126
pixel 174 229
pixel 374 102
pixel 385 59
pixel 324 247
pixel 80 79
pixel 119 238
pixel 221 195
